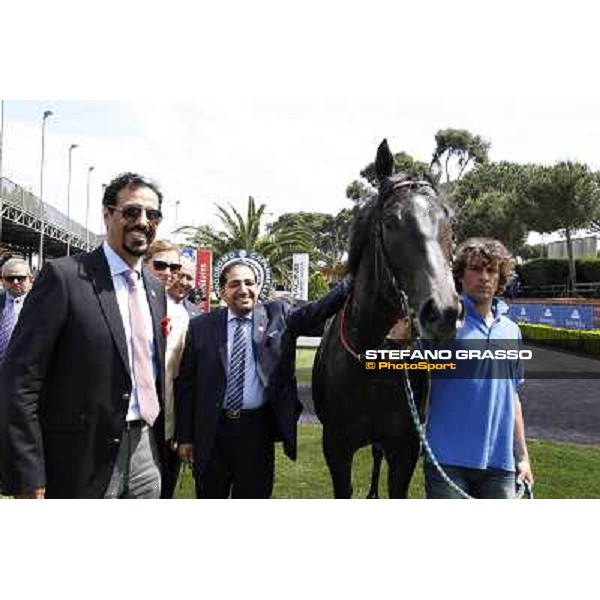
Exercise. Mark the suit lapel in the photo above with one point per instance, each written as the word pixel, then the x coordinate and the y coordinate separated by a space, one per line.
pixel 222 338
pixel 259 336
pixel 105 290
pixel 259 326
pixel 157 301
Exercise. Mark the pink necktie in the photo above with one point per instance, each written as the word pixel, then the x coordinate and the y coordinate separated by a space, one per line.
pixel 142 361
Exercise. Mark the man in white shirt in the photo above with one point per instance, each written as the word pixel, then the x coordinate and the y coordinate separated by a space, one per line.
pixel 163 260
pixel 16 279
pixel 82 391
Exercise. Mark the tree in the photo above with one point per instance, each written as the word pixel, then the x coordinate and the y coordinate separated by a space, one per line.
pixel 492 214
pixel 459 146
pixel 487 203
pixel 359 192
pixel 245 234
pixel 502 177
pixel 566 197
pixel 328 233
pixel 317 285
pixel 402 162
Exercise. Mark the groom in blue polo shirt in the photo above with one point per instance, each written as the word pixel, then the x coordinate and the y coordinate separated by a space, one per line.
pixel 475 426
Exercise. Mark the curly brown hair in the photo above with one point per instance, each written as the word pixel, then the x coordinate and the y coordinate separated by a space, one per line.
pixel 488 252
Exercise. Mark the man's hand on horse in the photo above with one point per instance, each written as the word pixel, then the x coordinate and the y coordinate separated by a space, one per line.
pixel 400 331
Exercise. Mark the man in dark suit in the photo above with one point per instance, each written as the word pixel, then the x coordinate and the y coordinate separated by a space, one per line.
pixel 82 387
pixel 16 279
pixel 236 394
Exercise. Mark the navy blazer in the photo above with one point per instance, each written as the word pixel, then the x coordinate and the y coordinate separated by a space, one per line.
pixel 200 387
pixel 192 309
pixel 66 380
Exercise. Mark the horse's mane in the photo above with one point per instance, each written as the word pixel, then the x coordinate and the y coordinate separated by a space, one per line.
pixel 361 227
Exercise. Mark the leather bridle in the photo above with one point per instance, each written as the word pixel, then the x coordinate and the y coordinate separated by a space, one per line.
pixel 382 263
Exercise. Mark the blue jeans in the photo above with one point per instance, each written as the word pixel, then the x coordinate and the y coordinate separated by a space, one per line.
pixel 478 483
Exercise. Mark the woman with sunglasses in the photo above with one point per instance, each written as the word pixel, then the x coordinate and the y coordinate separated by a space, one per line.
pixel 164 262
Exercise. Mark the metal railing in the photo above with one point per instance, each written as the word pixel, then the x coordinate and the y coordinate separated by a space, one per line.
pixel 20 198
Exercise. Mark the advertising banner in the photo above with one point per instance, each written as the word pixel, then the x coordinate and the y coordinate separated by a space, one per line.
pixel 300 276
pixel 568 316
pixel 203 277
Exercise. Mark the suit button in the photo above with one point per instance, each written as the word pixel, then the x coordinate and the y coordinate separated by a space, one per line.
pixel 126 397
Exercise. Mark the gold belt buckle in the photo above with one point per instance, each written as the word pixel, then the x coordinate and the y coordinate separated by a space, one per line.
pixel 233 414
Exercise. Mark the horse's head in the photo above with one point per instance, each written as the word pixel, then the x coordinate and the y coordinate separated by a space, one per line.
pixel 413 244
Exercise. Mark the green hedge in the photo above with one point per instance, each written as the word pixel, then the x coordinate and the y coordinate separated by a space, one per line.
pixel 587 342
pixel 555 271
pixel 544 271
pixel 587 269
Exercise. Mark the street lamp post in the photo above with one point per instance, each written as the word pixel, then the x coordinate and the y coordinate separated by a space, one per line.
pixel 47 113
pixel 87 211
pixel 73 146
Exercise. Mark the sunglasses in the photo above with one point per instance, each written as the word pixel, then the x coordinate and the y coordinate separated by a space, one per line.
pixel 132 212
pixel 15 278
pixel 161 265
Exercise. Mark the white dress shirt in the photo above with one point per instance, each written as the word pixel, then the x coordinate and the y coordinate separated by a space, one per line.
pixel 253 387
pixel 117 268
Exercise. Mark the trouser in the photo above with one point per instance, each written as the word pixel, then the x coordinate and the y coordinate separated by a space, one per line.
pixel 170 474
pixel 136 473
pixel 478 483
pixel 242 461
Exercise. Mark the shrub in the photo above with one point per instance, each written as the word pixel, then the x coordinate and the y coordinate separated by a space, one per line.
pixel 544 271
pixel 576 340
pixel 588 270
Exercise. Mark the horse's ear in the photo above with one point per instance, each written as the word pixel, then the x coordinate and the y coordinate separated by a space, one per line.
pixel 384 163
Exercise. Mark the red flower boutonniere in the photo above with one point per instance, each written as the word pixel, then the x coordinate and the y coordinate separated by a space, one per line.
pixel 166 326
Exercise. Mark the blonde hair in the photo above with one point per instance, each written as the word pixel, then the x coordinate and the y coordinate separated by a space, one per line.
pixel 160 246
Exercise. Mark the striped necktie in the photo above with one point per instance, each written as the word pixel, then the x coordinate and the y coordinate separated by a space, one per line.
pixel 234 395
pixel 9 320
pixel 141 359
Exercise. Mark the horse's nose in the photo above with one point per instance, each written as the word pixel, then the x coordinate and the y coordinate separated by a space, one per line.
pixel 431 313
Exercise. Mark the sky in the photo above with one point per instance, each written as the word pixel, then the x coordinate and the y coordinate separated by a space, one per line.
pixel 290 104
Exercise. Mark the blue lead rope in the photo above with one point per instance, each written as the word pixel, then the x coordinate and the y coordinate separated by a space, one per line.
pixel 522 488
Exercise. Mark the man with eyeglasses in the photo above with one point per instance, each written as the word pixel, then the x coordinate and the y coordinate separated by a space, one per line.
pixel 16 279
pixel 163 260
pixel 236 393
pixel 82 391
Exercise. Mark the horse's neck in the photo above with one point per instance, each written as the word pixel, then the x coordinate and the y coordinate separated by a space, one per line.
pixel 371 316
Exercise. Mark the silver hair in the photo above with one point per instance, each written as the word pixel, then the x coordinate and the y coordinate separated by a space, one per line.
pixel 15 262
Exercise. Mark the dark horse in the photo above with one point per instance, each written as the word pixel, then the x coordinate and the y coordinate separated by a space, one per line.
pixel 399 251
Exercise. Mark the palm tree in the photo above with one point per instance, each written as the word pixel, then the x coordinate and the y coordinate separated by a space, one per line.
pixel 238 233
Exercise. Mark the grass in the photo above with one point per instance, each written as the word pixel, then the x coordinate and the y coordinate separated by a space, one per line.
pixel 304 363
pixel 561 471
